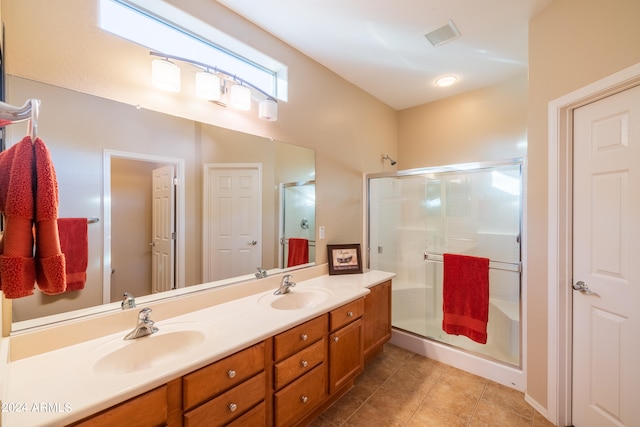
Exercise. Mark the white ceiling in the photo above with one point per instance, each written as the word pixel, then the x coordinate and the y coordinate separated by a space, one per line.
pixel 379 45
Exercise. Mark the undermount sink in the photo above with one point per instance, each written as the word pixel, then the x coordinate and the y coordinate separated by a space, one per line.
pixel 297 299
pixel 148 352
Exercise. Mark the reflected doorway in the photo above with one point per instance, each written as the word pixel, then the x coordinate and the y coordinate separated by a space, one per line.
pixel 142 219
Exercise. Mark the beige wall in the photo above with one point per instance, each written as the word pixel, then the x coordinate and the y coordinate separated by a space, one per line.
pixel 571 44
pixel 484 124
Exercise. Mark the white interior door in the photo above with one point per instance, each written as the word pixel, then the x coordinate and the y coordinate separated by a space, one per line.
pixel 232 220
pixel 606 245
pixel 163 229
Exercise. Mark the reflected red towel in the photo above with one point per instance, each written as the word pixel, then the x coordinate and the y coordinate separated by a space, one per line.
pixel 298 252
pixel 466 296
pixel 74 243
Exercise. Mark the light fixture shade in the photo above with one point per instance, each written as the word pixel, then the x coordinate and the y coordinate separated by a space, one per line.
pixel 208 86
pixel 268 110
pixel 240 97
pixel 165 75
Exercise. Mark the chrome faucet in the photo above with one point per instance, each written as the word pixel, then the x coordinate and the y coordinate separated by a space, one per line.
pixel 285 285
pixel 128 301
pixel 144 327
pixel 261 274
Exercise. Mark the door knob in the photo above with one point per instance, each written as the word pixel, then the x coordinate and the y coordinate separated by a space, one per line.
pixel 583 288
pixel 253 243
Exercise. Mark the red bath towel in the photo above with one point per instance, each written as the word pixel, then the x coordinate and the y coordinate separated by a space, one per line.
pixel 74 243
pixel 466 296
pixel 29 200
pixel 298 252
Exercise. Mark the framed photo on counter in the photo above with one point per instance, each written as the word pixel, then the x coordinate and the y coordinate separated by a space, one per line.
pixel 344 259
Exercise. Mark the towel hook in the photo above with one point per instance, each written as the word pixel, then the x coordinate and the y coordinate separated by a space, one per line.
pixel 33 120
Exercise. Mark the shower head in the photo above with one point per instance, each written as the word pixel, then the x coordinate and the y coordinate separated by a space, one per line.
pixel 386 157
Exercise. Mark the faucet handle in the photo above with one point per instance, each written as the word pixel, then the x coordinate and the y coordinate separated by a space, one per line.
pixel 145 315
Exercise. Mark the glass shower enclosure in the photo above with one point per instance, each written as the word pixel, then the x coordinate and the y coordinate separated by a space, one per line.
pixel 416 216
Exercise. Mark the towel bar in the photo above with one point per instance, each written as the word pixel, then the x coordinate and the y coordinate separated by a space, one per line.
pixel 515 267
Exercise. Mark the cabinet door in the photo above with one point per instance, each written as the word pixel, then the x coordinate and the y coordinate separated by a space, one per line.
pixel 148 409
pixel 377 319
pixel 345 355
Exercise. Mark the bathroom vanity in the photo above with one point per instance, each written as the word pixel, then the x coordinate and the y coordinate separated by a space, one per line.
pixel 260 360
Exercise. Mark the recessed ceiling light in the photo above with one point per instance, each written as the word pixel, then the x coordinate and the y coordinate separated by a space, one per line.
pixel 446 81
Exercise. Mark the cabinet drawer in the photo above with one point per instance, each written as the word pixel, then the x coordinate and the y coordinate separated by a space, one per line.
pixel 299 337
pixel 222 375
pixel 255 417
pixel 228 405
pixel 301 397
pixel 346 314
pixel 303 361
pixel 149 409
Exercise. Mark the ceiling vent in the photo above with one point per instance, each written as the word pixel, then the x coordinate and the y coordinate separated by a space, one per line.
pixel 442 35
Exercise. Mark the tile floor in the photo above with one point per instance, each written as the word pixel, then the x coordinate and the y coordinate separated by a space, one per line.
pixel 401 388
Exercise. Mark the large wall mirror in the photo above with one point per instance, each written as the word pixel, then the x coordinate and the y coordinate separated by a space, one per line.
pixel 106 154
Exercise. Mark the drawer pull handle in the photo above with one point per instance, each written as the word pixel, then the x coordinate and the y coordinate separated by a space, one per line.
pixel 336 339
pixel 304 363
pixel 231 373
pixel 350 314
pixel 304 399
pixel 233 407
pixel 304 337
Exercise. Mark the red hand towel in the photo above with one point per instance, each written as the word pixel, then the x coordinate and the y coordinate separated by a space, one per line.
pixel 298 252
pixel 74 243
pixel 466 296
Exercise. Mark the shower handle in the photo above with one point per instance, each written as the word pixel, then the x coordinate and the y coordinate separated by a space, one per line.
pixel 583 288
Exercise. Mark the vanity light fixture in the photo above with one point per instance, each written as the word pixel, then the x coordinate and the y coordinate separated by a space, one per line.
pixel 445 81
pixel 212 83
pixel 268 110
pixel 240 97
pixel 165 75
pixel 208 86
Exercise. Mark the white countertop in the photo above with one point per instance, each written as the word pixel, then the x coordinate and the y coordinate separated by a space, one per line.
pixel 63 386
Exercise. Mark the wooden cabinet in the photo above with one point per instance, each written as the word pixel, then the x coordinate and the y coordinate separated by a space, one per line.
pixel 300 371
pixel 345 355
pixel 345 345
pixel 157 407
pixel 225 390
pixel 286 380
pixel 377 319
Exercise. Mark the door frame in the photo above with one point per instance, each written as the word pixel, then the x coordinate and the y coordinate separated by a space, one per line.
pixel 560 224
pixel 106 214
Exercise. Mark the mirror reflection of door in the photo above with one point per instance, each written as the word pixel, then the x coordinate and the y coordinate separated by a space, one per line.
pixel 232 220
pixel 133 232
pixel 163 220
